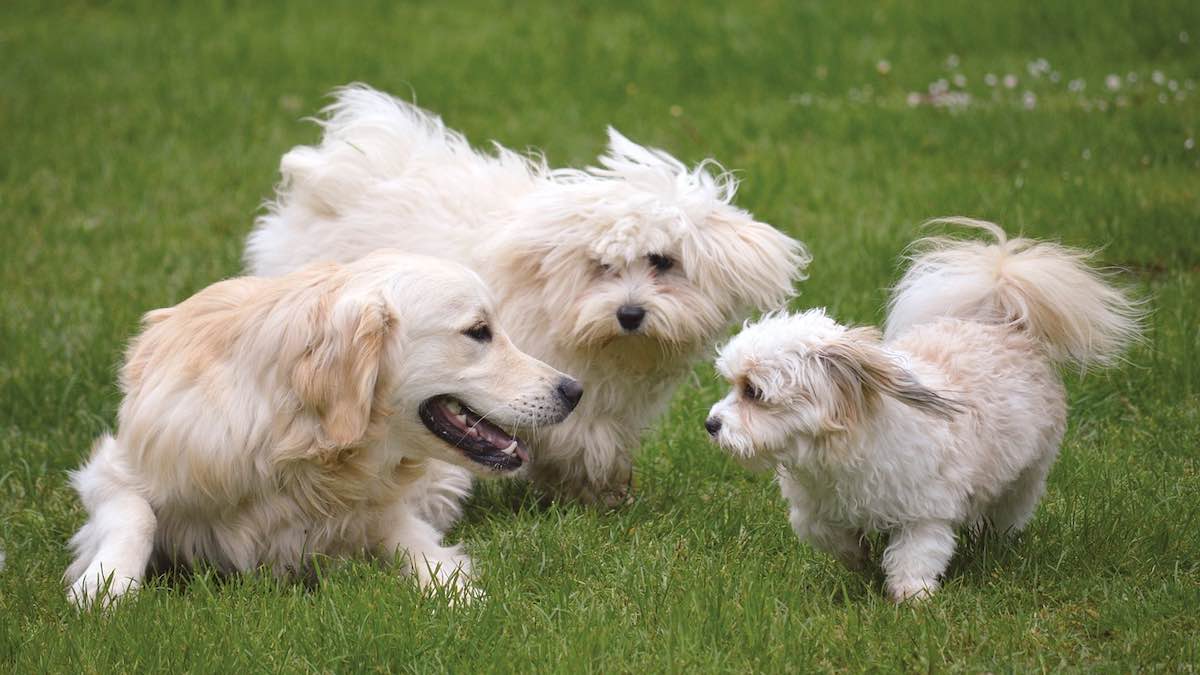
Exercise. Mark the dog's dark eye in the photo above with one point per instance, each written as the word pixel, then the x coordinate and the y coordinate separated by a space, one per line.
pixel 752 392
pixel 479 333
pixel 659 262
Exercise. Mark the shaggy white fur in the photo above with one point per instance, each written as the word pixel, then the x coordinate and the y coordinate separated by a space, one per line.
pixel 620 274
pixel 266 421
pixel 955 418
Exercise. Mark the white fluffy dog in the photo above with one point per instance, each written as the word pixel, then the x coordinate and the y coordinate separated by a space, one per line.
pixel 266 421
pixel 621 275
pixel 954 418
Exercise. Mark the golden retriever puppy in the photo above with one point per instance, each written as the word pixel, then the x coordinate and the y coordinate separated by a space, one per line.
pixel 268 420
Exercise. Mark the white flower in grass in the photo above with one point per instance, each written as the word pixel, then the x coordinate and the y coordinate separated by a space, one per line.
pixel 1086 154
pixel 913 100
pixel 952 61
pixel 960 80
pixel 1076 85
pixel 883 67
pixel 1029 100
pixel 1010 81
pixel 1038 67
pixel 1131 77
pixel 938 87
pixel 1173 85
pixel 1055 76
pixel 1158 78
pixel 1162 98
pixel 955 101
pixel 1113 82
pixel 989 80
pixel 1189 143
pixel 1184 37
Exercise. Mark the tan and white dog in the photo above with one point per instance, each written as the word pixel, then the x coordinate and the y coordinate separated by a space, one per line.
pixel 268 420
pixel 622 275
pixel 953 418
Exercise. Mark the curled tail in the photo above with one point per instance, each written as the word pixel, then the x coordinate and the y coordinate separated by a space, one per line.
pixel 1047 289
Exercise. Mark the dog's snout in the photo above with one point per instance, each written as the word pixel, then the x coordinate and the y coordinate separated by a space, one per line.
pixel 712 425
pixel 571 391
pixel 631 316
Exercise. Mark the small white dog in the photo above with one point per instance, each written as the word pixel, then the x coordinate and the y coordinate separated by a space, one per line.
pixel 954 418
pixel 269 420
pixel 621 275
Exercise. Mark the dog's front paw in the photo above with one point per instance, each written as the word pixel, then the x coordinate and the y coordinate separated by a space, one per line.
pixel 912 590
pixel 98 589
pixel 450 577
pixel 615 498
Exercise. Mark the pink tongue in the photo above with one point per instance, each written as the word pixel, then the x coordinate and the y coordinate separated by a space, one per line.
pixel 524 456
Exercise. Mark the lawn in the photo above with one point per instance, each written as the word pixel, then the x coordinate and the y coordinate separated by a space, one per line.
pixel 139 141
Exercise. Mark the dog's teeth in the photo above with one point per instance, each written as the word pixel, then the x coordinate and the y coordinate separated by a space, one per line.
pixel 455 407
pixel 473 432
pixel 512 447
pixel 462 419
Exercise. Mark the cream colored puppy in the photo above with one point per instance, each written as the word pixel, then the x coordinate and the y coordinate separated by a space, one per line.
pixel 954 418
pixel 266 421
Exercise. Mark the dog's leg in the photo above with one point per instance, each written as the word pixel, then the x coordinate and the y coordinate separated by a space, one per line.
pixel 845 544
pixel 916 556
pixel 1012 511
pixel 439 494
pixel 611 486
pixel 589 462
pixel 401 532
pixel 113 548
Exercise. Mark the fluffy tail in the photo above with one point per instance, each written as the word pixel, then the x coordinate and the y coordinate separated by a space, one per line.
pixel 1046 289
pixel 368 136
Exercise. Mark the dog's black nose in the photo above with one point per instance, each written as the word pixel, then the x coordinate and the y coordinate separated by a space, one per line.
pixel 630 316
pixel 713 425
pixel 570 391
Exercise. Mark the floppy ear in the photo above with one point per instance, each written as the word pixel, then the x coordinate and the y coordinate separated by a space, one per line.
pixel 336 377
pixel 861 371
pixel 757 263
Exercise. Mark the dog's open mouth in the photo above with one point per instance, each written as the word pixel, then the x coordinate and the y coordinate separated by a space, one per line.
pixel 478 439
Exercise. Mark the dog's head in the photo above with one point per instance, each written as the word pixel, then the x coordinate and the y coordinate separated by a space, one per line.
pixel 406 351
pixel 798 379
pixel 643 247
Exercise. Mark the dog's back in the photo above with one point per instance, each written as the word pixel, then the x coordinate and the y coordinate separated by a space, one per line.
pixel 385 174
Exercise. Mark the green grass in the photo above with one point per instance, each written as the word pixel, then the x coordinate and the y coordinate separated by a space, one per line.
pixel 139 141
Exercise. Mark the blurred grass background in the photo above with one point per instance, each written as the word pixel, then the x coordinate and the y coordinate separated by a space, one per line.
pixel 139 139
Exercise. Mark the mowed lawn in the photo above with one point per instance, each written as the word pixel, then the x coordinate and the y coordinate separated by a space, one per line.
pixel 137 142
